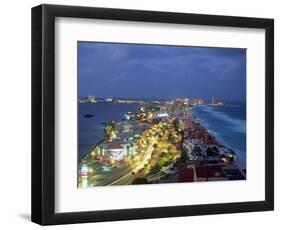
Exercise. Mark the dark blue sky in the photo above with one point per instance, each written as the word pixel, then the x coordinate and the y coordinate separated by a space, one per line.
pixel 155 71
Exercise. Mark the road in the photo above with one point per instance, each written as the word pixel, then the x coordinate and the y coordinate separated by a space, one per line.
pixel 128 178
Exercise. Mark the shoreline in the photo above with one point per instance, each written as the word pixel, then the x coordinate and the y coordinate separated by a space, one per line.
pixel 87 136
pixel 240 153
pixel 103 141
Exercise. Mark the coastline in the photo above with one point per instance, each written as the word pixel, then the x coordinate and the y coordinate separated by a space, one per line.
pixel 139 170
pixel 91 130
pixel 228 122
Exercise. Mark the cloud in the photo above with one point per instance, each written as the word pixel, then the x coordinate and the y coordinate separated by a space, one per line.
pixel 189 70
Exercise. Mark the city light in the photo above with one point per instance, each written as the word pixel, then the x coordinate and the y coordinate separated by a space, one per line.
pixel 152 145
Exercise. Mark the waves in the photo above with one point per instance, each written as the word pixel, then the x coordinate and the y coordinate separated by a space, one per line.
pixel 228 125
pixel 237 125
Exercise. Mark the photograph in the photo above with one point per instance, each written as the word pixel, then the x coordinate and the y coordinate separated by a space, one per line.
pixel 141 113
pixel 155 114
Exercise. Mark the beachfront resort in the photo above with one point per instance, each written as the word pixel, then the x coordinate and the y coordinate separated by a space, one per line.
pixel 161 142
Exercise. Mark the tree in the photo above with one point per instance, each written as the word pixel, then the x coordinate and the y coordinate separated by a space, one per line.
pixel 171 138
pixel 163 154
pixel 140 180
pixel 184 157
pixel 156 168
pixel 110 130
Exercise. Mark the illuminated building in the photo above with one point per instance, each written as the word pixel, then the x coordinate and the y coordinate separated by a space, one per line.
pixel 84 176
pixel 162 115
pixel 117 150
pixel 91 99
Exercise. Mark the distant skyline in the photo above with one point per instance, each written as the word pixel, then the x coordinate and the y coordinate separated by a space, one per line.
pixel 158 71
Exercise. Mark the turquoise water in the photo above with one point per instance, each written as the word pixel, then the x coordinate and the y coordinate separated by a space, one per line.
pixel 228 124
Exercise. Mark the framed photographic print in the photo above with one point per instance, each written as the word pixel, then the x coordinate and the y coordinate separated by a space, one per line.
pixel 142 114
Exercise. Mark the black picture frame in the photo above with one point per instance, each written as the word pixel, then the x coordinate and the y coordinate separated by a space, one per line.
pixel 43 114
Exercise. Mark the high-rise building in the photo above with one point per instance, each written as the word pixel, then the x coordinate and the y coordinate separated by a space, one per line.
pixel 91 99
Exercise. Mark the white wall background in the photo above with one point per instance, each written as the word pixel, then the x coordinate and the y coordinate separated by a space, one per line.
pixel 15 113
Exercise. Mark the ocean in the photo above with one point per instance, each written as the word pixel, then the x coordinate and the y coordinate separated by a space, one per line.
pixel 91 129
pixel 228 124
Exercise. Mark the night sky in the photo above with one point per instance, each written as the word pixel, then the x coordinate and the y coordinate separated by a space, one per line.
pixel 163 72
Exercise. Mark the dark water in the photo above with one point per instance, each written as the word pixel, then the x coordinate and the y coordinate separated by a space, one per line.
pixel 91 129
pixel 228 124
